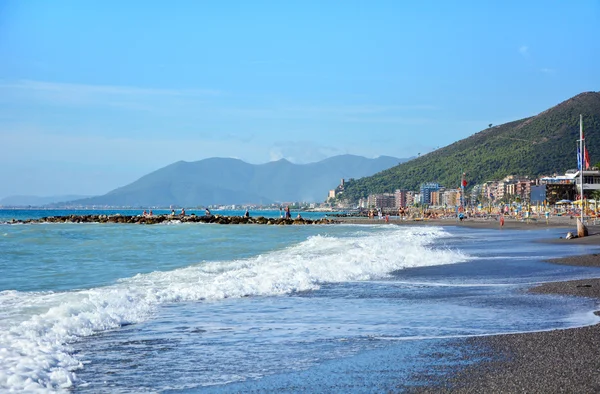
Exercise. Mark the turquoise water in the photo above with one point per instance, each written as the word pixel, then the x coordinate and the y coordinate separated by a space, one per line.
pixel 203 308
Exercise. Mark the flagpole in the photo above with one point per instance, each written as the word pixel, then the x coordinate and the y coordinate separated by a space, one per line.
pixel 463 182
pixel 581 228
pixel 581 154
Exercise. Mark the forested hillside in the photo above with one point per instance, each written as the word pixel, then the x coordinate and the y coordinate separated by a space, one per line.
pixel 541 145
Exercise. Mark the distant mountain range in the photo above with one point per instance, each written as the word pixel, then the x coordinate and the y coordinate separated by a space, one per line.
pixel 540 145
pixel 36 201
pixel 232 181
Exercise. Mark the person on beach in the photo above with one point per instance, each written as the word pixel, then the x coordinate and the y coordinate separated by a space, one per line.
pixel 288 215
pixel 144 213
pixel 501 220
pixel 247 214
pixel 182 212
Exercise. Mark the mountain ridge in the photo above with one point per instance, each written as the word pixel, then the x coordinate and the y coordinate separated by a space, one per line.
pixel 228 181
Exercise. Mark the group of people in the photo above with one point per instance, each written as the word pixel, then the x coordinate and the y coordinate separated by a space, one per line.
pixel 283 212
pixel 150 213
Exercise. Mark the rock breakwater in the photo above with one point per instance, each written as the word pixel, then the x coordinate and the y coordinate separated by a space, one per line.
pixel 157 219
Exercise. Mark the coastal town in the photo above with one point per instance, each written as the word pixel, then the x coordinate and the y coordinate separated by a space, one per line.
pixel 513 193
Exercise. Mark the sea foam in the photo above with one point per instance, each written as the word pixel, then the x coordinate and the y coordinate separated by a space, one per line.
pixel 35 354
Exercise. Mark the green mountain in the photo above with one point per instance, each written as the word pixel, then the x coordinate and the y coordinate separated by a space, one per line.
pixel 540 145
pixel 232 181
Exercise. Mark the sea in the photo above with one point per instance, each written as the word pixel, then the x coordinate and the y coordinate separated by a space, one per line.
pixel 207 308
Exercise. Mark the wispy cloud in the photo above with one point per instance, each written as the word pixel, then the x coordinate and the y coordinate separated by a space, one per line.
pixel 111 150
pixel 353 113
pixel 524 50
pixel 302 152
pixel 127 97
pixel 549 71
pixel 31 85
pixel 212 104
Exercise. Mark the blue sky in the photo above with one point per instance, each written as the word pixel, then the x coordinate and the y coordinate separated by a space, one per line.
pixel 95 94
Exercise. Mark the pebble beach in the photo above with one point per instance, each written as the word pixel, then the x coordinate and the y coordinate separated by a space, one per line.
pixel 557 361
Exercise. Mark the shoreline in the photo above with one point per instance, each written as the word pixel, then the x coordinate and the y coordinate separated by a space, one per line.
pixel 561 360
pixel 567 223
pixel 509 223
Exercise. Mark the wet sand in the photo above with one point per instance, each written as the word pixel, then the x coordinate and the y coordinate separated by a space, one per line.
pixel 558 361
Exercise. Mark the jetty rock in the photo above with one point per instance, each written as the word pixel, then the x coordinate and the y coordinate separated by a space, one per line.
pixel 158 219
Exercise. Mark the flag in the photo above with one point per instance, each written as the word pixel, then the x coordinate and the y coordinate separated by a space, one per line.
pixel 578 158
pixel 464 181
pixel 586 158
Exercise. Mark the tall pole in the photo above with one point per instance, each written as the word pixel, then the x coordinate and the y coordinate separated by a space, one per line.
pixel 581 158
pixel 462 191
pixel 581 228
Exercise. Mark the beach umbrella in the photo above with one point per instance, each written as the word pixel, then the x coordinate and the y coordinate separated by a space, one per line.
pixel 564 202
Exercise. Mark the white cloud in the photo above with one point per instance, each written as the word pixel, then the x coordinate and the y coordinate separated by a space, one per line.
pixel 302 152
pixel 524 50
